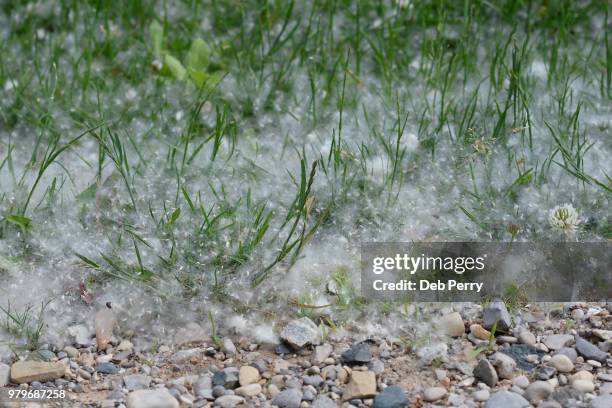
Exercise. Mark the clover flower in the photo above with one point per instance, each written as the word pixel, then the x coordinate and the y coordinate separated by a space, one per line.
pixel 564 217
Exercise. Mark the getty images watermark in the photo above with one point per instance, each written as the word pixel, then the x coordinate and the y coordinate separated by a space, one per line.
pixel 472 271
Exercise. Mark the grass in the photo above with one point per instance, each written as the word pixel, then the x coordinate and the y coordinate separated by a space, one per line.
pixel 190 146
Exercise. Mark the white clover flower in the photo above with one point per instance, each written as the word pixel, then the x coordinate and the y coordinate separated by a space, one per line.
pixel 564 217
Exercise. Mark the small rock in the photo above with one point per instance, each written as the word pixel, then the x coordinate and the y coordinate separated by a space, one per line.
pixel 546 372
pixel 521 381
pixel 391 397
pixel 506 399
pixel 300 332
pixel 228 347
pixel 504 364
pixel 361 385
pixel 562 363
pixel 485 372
pixel 28 371
pixel 481 395
pixel 183 356
pixel 452 324
pixel 290 398
pixel 569 352
pixel 248 375
pixel 229 401
pixel 105 322
pixel 432 394
pixel 480 332
pixel 203 387
pixel 496 312
pixel 558 341
pixel 5 374
pixel 326 402
pixel 71 351
pixel 376 366
pixel 583 385
pixel 603 401
pixel 107 368
pixel 582 375
pixel 577 314
pixel 321 353
pixel 538 391
pixel 527 337
pixel 136 381
pixel 358 354
pixel 159 398
pixel 227 378
pixel 590 351
pixel 249 390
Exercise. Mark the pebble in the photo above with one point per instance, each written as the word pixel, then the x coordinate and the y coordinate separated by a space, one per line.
pixel 482 395
pixel 248 375
pixel 289 398
pixel 538 391
pixel 300 332
pixel 453 324
pixel 227 378
pixel 248 390
pixel 136 381
pixel 496 313
pixel 159 398
pixel 358 354
pixel 321 353
pixel 562 363
pixel 228 347
pixel 504 364
pixel 480 332
pixel 229 401
pixel 506 399
pixel 558 341
pixel 202 387
pixel 583 385
pixel 362 384
pixel 521 381
pixel 603 401
pixel 432 394
pixel 485 372
pixel 326 402
pixel 5 374
pixel 569 352
pixel 107 368
pixel 590 351
pixel 527 337
pixel 391 397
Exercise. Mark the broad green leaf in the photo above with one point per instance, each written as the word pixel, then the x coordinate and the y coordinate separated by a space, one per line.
pixel 20 220
pixel 156 31
pixel 176 68
pixel 198 57
pixel 201 79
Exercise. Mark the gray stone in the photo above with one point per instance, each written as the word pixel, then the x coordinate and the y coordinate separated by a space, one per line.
pixel 562 363
pixel 391 397
pixel 326 402
pixel 358 354
pixel 229 401
pixel 202 387
pixel 300 332
pixel 538 391
pixel 546 372
pixel 485 372
pixel 107 368
pixel 496 311
pixel 376 366
pixel 5 374
pixel 504 364
pixel 159 398
pixel 590 351
pixel 569 352
pixel 603 401
pixel 506 399
pixel 527 337
pixel 290 398
pixel 184 356
pixel 136 381
pixel 314 380
pixel 432 394
pixel 227 378
pixel 558 341
pixel 228 347
pixel 321 353
pixel 482 395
